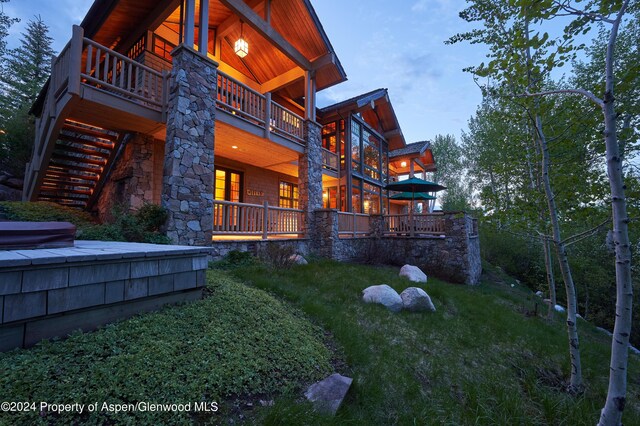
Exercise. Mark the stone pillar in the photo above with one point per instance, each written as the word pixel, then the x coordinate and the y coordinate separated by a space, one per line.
pixel 310 175
pixel 376 225
pixel 187 191
pixel 326 233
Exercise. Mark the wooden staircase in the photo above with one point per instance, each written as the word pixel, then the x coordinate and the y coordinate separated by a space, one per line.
pixel 79 164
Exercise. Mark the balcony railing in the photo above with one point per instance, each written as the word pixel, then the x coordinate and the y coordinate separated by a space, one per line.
pixel 329 160
pixel 244 102
pixel 430 224
pixel 355 224
pixel 231 218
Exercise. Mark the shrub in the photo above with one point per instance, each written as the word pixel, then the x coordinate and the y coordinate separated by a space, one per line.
pixel 42 211
pixel 279 256
pixel 235 259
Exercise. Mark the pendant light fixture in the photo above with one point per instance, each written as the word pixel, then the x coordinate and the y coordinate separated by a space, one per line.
pixel 241 47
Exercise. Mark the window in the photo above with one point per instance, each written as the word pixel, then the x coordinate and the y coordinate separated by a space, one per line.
pixel 330 198
pixel 371 197
pixel 228 185
pixel 355 147
pixel 162 47
pixel 288 195
pixel 356 196
pixel 329 140
pixel 371 153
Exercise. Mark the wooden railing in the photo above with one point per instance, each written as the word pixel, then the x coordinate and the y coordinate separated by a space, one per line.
pixel 329 160
pixel 286 122
pixel 240 100
pixel 231 218
pixel 109 70
pixel 433 224
pixel 353 223
pixel 246 103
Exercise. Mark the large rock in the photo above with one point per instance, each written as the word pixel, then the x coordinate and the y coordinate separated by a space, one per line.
pixel 8 193
pixel 384 295
pixel 416 299
pixel 327 395
pixel 413 273
pixel 297 259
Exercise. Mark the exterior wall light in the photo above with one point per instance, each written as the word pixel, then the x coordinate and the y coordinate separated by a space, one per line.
pixel 241 47
pixel 403 164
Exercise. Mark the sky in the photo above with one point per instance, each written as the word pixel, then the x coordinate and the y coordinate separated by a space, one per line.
pixel 398 45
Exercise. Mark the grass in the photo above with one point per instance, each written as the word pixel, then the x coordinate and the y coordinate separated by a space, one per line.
pixel 482 358
pixel 236 347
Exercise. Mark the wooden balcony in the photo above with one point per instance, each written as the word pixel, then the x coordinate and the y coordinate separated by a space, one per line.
pixel 416 224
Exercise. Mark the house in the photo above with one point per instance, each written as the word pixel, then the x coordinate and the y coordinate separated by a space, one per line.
pixel 209 108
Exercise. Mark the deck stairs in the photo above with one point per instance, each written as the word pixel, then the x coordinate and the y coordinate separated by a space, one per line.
pixel 79 164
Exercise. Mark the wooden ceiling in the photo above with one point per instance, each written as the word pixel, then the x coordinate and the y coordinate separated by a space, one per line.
pixel 119 23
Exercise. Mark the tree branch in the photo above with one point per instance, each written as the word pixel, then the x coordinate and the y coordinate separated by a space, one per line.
pixel 586 234
pixel 573 11
pixel 582 92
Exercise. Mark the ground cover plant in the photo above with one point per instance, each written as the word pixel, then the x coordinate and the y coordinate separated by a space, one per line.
pixel 237 344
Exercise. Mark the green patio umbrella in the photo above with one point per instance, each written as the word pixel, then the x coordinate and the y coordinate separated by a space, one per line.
pixel 414 186
pixel 412 196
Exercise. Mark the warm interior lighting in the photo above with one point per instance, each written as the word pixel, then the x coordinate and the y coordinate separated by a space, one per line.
pixel 2 132
pixel 325 195
pixel 403 164
pixel 241 47
pixel 234 146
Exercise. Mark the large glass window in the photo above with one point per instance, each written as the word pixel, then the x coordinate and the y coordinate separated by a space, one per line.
pixel 355 147
pixel 371 155
pixel 356 196
pixel 288 197
pixel 162 47
pixel 371 199
pixel 330 198
pixel 329 137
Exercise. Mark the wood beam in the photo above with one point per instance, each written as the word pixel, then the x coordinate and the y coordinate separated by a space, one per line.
pixel 282 80
pixel 309 96
pixel 392 133
pixel 247 14
pixel 323 61
pixel 203 35
pixel 225 27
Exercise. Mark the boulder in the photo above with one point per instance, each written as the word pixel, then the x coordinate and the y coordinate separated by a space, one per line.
pixel 539 293
pixel 416 299
pixel 384 295
pixel 8 193
pixel 559 308
pixel 297 259
pixel 327 395
pixel 413 273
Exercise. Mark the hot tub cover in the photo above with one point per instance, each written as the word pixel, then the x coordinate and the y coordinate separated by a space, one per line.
pixel 36 235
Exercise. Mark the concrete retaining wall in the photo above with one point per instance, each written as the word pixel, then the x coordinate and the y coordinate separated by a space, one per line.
pixel 47 293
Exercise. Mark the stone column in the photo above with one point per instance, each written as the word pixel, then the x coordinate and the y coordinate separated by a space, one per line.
pixel 326 233
pixel 187 190
pixel 310 175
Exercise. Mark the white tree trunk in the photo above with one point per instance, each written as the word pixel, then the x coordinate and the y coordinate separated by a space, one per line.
pixel 551 281
pixel 575 382
pixel 616 395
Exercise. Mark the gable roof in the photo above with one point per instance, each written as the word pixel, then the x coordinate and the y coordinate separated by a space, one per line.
pixel 417 148
pixel 375 106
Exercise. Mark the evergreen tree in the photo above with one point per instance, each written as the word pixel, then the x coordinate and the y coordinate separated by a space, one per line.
pixel 25 71
pixel 26 67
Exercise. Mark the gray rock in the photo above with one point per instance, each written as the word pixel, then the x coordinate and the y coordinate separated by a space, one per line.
pixel 413 273
pixel 539 293
pixel 297 259
pixel 384 295
pixel 327 395
pixel 416 299
pixel 9 194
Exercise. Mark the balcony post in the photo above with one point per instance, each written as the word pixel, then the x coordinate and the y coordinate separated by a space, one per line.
pixel 189 22
pixel 75 59
pixel 267 115
pixel 265 221
pixel 203 35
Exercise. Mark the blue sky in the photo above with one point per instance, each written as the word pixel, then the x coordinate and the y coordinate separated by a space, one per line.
pixel 397 45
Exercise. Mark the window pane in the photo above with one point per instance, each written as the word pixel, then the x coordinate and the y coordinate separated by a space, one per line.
pixel 220 184
pixel 355 146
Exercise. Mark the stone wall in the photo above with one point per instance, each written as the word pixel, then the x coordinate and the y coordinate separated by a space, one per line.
pixel 136 177
pixel 47 293
pixel 455 257
pixel 188 168
pixel 219 249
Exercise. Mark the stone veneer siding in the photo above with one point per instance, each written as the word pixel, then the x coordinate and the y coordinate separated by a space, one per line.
pixel 136 177
pixel 310 175
pixel 188 167
pixel 454 257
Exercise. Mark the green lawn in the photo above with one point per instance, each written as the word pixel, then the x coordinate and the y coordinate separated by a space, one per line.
pixel 482 358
